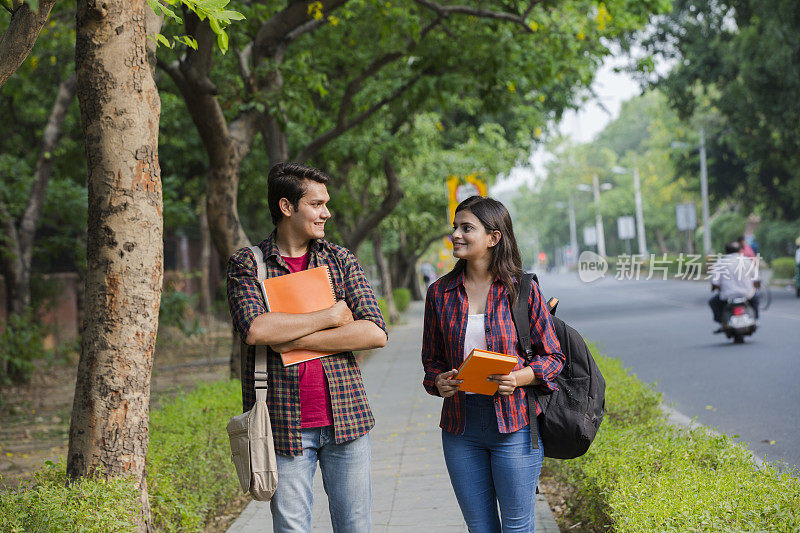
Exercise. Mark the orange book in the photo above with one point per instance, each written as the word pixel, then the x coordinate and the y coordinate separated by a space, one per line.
pixel 479 365
pixel 300 292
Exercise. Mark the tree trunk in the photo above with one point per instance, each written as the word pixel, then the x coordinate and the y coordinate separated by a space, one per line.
pixel 15 276
pixel 413 283
pixel 403 272
pixel 225 144
pixel 205 260
pixel 371 213
pixel 20 36
pixel 222 207
pixel 18 289
pixel 410 280
pixel 80 296
pixel 16 265
pixel 383 272
pixel 394 268
pixel 235 359
pixel 662 246
pixel 120 111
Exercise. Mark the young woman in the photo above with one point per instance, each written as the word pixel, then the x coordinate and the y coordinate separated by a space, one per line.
pixel 486 439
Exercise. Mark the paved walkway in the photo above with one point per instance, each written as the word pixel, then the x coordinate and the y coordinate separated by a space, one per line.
pixel 411 488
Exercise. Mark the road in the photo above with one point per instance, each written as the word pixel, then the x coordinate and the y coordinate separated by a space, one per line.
pixel 662 330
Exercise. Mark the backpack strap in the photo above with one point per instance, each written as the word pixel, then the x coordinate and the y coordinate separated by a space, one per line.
pixel 260 374
pixel 522 315
pixel 522 323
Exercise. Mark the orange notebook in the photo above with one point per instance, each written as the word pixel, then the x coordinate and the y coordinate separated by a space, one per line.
pixel 300 292
pixel 479 365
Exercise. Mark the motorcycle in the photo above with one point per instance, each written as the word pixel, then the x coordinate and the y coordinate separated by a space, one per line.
pixel 738 320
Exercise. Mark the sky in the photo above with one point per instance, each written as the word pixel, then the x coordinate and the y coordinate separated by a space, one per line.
pixel 612 89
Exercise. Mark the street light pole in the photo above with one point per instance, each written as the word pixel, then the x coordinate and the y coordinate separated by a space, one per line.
pixel 704 194
pixel 573 231
pixel 639 215
pixel 598 219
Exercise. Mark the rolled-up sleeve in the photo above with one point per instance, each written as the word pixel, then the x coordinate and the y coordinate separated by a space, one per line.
pixel 244 294
pixel 547 359
pixel 433 355
pixel 359 295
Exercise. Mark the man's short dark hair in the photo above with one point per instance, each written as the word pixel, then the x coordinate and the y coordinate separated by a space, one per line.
pixel 732 248
pixel 286 181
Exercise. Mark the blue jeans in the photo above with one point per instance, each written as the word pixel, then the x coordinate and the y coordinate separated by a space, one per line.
pixel 488 468
pixel 345 476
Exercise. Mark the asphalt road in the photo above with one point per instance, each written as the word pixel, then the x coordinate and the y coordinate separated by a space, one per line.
pixel 662 330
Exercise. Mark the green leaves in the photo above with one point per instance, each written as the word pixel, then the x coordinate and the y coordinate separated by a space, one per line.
pixel 213 10
pixel 635 476
pixel 736 73
pixel 50 502
pixel 188 474
pixel 162 40
pixel 163 10
pixel 188 40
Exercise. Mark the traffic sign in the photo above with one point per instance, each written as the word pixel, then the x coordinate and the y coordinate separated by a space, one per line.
pixel 686 216
pixel 590 236
pixel 626 228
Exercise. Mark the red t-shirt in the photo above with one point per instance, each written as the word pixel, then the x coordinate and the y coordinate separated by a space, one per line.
pixel 315 398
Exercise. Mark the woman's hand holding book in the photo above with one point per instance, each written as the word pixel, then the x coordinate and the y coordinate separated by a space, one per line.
pixel 446 385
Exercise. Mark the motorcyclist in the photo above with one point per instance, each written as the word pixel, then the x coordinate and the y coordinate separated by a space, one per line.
pixel 745 247
pixel 735 276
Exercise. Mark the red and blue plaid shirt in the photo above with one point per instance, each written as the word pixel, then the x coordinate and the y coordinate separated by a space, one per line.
pixel 446 311
pixel 352 416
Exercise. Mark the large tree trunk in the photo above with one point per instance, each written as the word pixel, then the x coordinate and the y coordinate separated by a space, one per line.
pixel 20 36
pixel 120 110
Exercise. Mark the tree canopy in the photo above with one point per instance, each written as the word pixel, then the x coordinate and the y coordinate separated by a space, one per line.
pixel 736 74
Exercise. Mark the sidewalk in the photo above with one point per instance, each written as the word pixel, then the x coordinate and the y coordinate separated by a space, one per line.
pixel 410 487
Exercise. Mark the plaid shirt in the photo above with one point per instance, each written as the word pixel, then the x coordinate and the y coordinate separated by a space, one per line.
pixel 446 310
pixel 352 416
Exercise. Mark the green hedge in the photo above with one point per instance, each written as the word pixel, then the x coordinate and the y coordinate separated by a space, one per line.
pixel 46 503
pixel 383 305
pixel 189 475
pixel 402 297
pixel 643 474
pixel 21 343
pixel 782 268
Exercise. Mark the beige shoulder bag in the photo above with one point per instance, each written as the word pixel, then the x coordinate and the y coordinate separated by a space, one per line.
pixel 250 433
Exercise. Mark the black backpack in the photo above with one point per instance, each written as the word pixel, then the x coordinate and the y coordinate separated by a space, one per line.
pixel 571 415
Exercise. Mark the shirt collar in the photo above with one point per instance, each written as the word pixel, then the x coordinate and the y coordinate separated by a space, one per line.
pixel 455 281
pixel 270 247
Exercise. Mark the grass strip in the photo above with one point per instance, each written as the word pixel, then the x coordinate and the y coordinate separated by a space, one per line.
pixel 643 474
pixel 190 476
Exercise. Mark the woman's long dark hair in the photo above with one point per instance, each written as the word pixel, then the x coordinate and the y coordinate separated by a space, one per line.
pixel 506 263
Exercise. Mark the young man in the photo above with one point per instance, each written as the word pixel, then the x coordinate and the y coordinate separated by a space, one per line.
pixel 318 409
